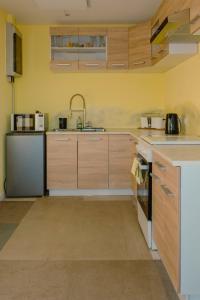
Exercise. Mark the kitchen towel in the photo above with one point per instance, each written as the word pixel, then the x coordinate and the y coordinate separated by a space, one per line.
pixel 137 172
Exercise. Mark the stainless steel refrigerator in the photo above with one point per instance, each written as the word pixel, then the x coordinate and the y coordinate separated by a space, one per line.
pixel 25 164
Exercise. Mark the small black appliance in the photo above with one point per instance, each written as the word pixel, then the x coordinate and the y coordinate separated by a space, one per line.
pixel 173 124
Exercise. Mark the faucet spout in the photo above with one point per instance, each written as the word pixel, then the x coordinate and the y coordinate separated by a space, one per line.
pixel 83 110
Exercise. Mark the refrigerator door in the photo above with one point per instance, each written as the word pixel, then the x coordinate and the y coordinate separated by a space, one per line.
pixel 25 166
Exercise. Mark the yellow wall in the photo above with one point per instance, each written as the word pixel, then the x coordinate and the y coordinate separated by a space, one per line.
pixel 5 98
pixel 182 93
pixel 113 99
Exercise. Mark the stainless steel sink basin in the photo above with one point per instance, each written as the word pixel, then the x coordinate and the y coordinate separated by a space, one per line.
pixel 86 129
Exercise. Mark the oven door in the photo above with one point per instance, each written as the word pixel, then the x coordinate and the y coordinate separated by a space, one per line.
pixel 144 190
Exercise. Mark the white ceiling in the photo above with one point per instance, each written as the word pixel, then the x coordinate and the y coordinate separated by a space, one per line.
pixel 98 11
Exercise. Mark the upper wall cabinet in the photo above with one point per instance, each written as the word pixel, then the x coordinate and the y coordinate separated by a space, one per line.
pixel 139 45
pixel 169 7
pixel 64 41
pixel 93 48
pixel 73 48
pixel 195 16
pixel 117 48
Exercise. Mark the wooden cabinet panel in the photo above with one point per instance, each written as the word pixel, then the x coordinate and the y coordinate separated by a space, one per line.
pixel 61 161
pixel 93 161
pixel 64 66
pixel 195 16
pixel 166 217
pixel 117 48
pixel 92 65
pixel 139 45
pixel 92 31
pixel 122 150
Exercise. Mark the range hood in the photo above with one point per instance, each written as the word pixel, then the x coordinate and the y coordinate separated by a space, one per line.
pixel 175 28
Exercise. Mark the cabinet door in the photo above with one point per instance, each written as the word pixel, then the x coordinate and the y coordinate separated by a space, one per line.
pixel 195 16
pixel 92 52
pixel 139 45
pixel 122 150
pixel 118 48
pixel 93 161
pixel 166 220
pixel 61 161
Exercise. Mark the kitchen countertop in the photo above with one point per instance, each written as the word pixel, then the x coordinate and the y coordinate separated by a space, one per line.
pixel 180 155
pixel 137 133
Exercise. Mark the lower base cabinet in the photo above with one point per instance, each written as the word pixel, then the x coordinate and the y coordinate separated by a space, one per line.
pixel 122 150
pixel 93 161
pixel 90 161
pixel 166 216
pixel 61 161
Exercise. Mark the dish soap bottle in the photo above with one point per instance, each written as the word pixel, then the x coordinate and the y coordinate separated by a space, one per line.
pixel 79 124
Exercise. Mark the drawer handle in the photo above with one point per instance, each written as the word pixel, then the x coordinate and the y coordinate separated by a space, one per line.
pixel 160 166
pixel 193 21
pixel 142 62
pixel 167 191
pixel 66 65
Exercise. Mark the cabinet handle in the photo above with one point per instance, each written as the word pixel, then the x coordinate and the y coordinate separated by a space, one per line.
pixel 67 65
pixel 118 65
pixel 66 140
pixel 193 21
pixel 155 177
pixel 167 191
pixel 92 65
pixel 94 139
pixel 160 166
pixel 142 62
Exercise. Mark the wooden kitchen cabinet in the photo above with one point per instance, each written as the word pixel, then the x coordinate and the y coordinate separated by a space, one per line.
pixel 166 215
pixel 92 161
pixel 74 49
pixel 61 161
pixel 117 48
pixel 195 16
pixel 139 45
pixel 122 149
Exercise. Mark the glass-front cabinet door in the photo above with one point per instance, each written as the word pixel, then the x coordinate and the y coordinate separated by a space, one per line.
pixel 73 49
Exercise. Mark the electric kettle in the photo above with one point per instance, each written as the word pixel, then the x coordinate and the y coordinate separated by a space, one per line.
pixel 173 124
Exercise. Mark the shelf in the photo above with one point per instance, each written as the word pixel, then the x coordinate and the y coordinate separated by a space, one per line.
pixel 79 49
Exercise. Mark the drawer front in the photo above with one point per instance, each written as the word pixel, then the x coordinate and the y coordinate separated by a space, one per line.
pixel 93 161
pixel 168 174
pixel 92 65
pixel 122 150
pixel 61 161
pixel 64 66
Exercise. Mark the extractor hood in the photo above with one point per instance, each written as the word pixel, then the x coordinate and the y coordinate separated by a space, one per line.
pixel 175 28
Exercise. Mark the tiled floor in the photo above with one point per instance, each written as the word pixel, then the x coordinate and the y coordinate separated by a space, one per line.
pixel 81 249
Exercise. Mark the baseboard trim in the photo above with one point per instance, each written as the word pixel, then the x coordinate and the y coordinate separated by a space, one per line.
pixel 2 196
pixel 80 192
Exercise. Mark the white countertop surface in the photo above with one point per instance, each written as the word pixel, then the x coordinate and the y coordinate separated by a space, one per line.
pixel 180 155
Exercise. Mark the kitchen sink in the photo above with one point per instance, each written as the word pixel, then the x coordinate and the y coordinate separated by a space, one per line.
pixel 86 129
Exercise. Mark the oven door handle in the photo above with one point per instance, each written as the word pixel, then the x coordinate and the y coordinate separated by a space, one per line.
pixel 143 167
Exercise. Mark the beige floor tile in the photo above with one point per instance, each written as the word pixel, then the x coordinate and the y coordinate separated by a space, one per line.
pixel 84 280
pixel 69 228
pixel 13 212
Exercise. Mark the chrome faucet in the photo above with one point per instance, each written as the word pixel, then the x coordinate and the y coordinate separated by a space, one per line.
pixel 83 110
